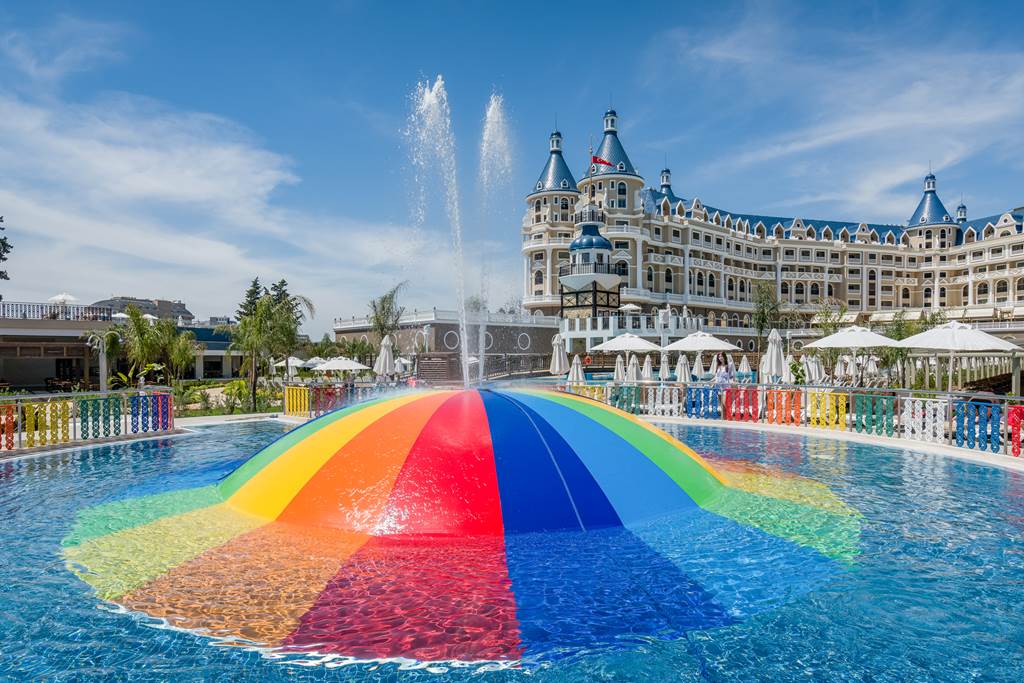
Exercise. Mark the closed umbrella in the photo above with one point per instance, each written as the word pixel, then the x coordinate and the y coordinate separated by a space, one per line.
pixel 620 370
pixel 683 368
pixel 647 374
pixel 633 369
pixel 871 368
pixel 698 367
pixel 787 371
pixel 805 363
pixel 713 368
pixel 385 363
pixel 744 369
pixel 576 375
pixel 664 372
pixel 559 359
pixel 773 361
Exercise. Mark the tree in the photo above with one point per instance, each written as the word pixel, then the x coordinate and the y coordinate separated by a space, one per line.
pixel 139 339
pixel 901 328
pixel 152 347
pixel 513 306
pixel 767 310
pixel 5 248
pixel 177 350
pixel 250 298
pixel 385 313
pixel 268 328
pixel 829 318
pixel 326 347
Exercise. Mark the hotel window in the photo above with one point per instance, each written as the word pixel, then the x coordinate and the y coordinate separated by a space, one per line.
pixel 563 255
pixel 539 256
pixel 675 234
pixel 855 302
pixel 650 275
pixel 586 257
pixel 657 232
pixel 538 278
pixel 622 245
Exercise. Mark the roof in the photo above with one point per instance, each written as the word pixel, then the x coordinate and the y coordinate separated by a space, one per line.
pixel 590 238
pixel 930 211
pixel 611 150
pixel 979 224
pixel 555 172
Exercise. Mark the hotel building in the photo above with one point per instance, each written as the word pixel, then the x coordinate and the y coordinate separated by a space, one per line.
pixel 593 246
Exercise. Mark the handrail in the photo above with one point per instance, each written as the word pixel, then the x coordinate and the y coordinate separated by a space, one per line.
pixel 30 310
pixel 972 420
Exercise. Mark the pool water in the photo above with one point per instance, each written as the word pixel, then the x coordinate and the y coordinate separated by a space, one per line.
pixel 934 592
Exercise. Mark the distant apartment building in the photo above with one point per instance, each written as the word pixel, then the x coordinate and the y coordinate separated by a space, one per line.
pixel 161 308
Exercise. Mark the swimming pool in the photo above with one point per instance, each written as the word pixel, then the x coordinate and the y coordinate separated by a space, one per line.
pixel 933 593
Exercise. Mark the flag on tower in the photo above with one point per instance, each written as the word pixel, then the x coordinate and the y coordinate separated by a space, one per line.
pixel 599 160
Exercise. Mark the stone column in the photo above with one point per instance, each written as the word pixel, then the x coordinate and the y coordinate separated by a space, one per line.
pixel 970 286
pixel 199 366
pixel 227 365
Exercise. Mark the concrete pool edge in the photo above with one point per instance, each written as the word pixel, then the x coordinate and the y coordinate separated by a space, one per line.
pixel 1006 462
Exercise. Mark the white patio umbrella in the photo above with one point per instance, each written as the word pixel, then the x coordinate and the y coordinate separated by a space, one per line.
pixel 627 342
pixel 629 308
pixel 701 341
pixel 385 363
pixel 313 362
pixel 773 361
pixel 647 374
pixel 633 369
pixel 340 364
pixel 559 359
pixel 853 337
pixel 664 371
pixel 619 376
pixel 120 316
pixel 683 368
pixel 698 367
pixel 807 365
pixel 956 337
pixel 62 298
pixel 744 366
pixel 150 317
pixel 576 375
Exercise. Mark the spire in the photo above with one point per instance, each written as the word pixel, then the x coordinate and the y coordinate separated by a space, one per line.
pixel 611 150
pixel 930 210
pixel 961 211
pixel 556 174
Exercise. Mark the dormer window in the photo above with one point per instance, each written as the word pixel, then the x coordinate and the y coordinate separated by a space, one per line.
pixel 539 185
pixel 922 219
pixel 564 183
pixel 945 218
pixel 593 168
pixel 621 166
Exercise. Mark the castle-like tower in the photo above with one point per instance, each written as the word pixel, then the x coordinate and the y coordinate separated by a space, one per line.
pixel 690 258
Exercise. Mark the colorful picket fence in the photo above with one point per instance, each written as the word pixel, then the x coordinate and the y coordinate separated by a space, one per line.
pixel 314 400
pixel 33 421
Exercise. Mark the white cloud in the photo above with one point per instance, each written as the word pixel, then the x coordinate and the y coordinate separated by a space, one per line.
pixel 126 195
pixel 68 45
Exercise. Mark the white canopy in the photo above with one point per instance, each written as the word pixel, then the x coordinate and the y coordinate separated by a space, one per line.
pixel 853 337
pixel 291 362
pixel 62 298
pixel 956 336
pixel 627 342
pixel 312 363
pixel 683 369
pixel 340 364
pixel 647 373
pixel 120 316
pixel 559 358
pixel 629 308
pixel 149 316
pixel 633 370
pixel 701 341
pixel 620 369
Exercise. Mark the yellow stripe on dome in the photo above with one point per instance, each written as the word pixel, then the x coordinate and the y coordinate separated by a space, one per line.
pixel 646 425
pixel 125 560
pixel 270 490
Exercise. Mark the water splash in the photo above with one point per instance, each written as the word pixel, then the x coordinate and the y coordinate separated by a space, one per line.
pixel 432 142
pixel 495 174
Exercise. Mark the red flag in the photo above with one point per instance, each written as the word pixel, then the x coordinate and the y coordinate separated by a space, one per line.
pixel 599 160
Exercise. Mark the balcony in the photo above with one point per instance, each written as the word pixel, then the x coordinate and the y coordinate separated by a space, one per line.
pixel 21 310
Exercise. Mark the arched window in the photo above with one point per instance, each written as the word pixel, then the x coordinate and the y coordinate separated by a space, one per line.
pixel 700 279
pixel 668 276
pixel 844 235
pixel 593 190
pixel 927 294
pixel 799 289
pixel 565 204
pixel 831 292
pixel 622 189
pixel 815 290
pixel 1002 287
pixel 1020 286
pixel 536 205
pixel 650 275
pixel 622 268
pixel 905 294
pixel 964 294
pixel 810 233
pixel 760 231
pixel 826 234
pixel 538 277
pixel 778 232
pixel 743 287
pixel 942 295
pixel 730 285
pixel 711 282
pixel 785 288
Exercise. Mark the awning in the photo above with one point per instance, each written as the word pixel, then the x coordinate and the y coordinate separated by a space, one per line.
pixel 981 313
pixel 954 313
pixel 913 315
pixel 882 317
pixel 850 317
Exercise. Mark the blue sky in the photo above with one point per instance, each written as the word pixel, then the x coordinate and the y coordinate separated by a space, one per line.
pixel 178 149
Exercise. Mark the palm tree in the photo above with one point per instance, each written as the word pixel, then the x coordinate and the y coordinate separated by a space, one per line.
pixel 385 313
pixel 139 339
pixel 767 310
pixel 178 350
pixel 269 328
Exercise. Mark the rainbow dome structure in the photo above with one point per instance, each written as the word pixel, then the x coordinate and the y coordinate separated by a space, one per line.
pixel 504 525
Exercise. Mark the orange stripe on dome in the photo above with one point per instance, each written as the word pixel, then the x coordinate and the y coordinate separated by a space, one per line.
pixel 256 586
pixel 271 490
pixel 351 488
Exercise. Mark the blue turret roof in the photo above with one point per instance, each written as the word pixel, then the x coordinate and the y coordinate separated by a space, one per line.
pixel 556 174
pixel 611 151
pixel 590 238
pixel 930 210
